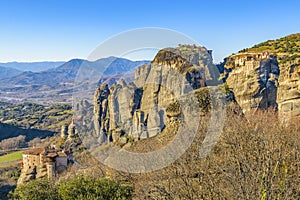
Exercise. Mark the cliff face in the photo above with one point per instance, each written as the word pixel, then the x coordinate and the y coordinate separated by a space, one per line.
pixel 288 98
pixel 263 80
pixel 139 108
pixel 282 54
pixel 254 79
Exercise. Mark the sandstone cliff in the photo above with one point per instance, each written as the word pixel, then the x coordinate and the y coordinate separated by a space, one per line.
pixel 139 108
pixel 267 75
pixel 253 78
pixel 288 97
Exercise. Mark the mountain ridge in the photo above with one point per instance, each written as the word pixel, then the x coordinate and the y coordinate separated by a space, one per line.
pixel 6 72
pixel 32 66
pixel 67 72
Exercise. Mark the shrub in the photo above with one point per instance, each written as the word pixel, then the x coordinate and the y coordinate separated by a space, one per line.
pixel 40 189
pixel 204 100
pixel 173 107
pixel 256 157
pixel 83 187
pixel 80 188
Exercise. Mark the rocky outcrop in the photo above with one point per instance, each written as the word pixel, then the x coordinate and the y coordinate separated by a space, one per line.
pixel 253 78
pixel 100 111
pixel 141 74
pixel 68 131
pixel 71 130
pixel 64 131
pixel 288 98
pixel 263 80
pixel 138 108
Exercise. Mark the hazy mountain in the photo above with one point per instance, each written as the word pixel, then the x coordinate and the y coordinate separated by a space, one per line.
pixel 6 72
pixel 32 66
pixel 68 71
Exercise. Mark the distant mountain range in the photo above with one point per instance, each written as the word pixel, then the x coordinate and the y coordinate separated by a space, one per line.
pixel 6 72
pixel 32 66
pixel 56 85
pixel 67 72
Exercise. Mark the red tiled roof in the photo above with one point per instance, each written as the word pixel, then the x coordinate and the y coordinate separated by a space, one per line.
pixel 34 151
pixel 50 153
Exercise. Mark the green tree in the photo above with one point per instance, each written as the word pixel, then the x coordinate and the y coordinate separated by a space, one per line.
pixel 77 188
pixel 40 189
pixel 83 187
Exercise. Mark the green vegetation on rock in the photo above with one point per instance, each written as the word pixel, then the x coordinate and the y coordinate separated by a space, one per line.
pixel 286 48
pixel 173 107
pixel 204 100
pixel 289 44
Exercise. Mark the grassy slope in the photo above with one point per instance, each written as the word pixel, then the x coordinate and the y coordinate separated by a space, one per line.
pixel 289 44
pixel 286 49
pixel 11 157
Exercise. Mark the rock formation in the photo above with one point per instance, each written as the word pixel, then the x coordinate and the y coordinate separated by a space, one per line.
pixel 71 130
pixel 64 131
pixel 288 97
pixel 138 108
pixel 100 110
pixel 68 131
pixel 253 78
pixel 263 80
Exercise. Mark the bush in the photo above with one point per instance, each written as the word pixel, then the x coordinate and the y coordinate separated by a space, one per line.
pixel 173 107
pixel 40 189
pixel 204 100
pixel 80 188
pixel 88 188
pixel 35 142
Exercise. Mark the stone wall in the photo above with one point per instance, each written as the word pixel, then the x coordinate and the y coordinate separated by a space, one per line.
pixel 31 161
pixel 41 162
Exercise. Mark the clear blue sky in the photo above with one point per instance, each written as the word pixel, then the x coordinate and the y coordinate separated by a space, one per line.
pixel 35 30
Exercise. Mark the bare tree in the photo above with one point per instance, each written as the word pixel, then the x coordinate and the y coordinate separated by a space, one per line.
pixel 256 158
pixel 13 143
pixel 35 142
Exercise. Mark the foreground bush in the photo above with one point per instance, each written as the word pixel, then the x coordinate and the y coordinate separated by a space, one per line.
pixel 81 188
pixel 88 188
pixel 41 189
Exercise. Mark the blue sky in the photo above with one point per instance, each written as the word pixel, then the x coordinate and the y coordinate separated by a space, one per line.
pixel 38 30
